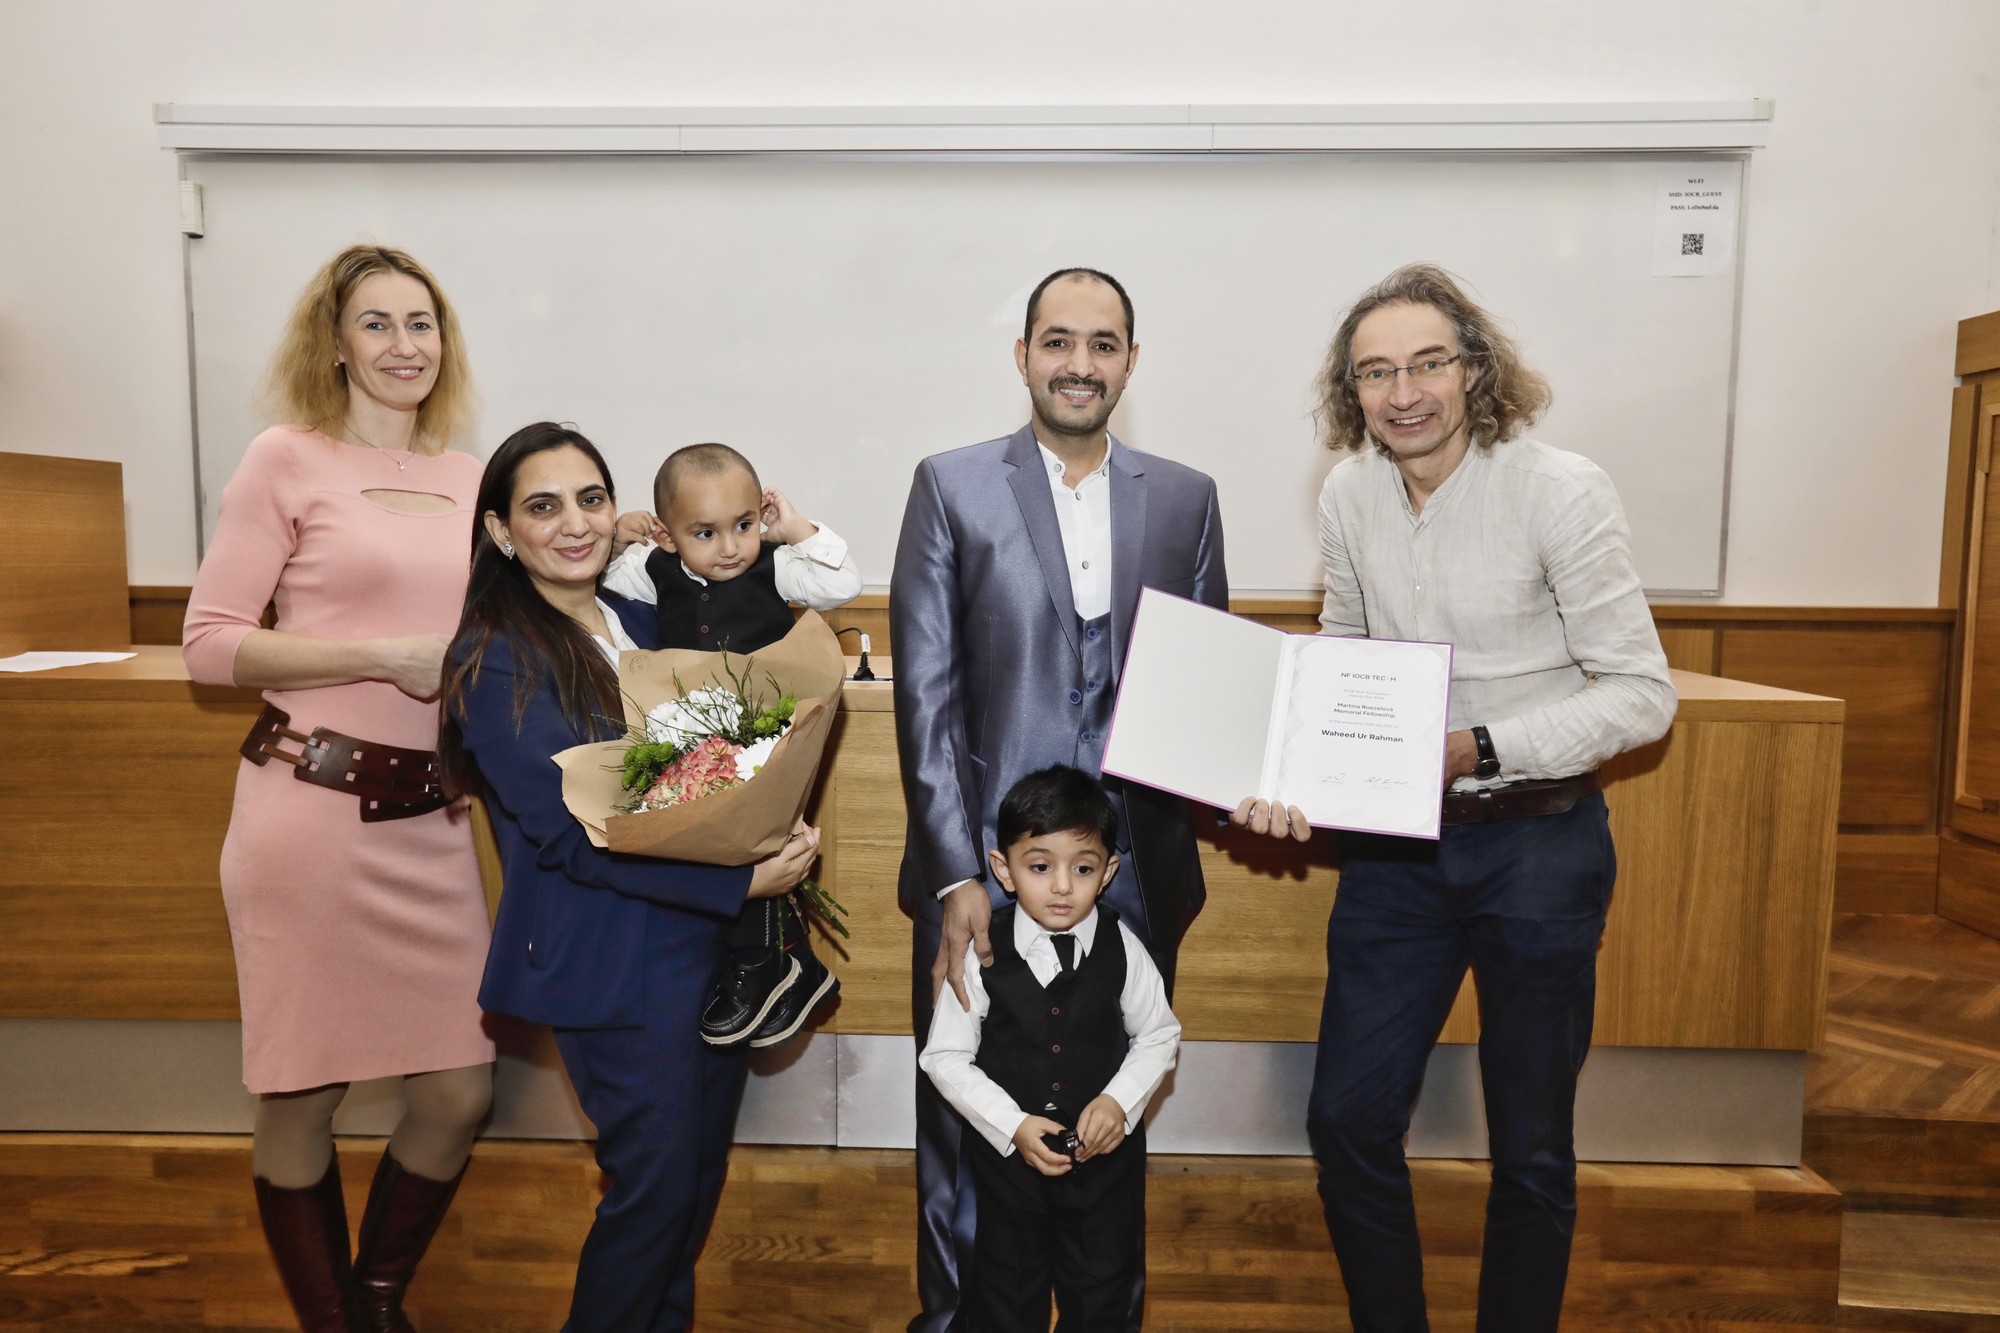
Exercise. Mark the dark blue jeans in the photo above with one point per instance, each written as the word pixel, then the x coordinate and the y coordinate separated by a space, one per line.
pixel 1522 902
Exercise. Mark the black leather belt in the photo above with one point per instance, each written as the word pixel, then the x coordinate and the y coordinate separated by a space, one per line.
pixel 1519 800
pixel 391 781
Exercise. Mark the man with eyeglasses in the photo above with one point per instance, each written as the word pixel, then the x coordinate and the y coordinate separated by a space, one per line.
pixel 1445 524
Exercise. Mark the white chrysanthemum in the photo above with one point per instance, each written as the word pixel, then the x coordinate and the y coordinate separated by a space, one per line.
pixel 704 712
pixel 752 757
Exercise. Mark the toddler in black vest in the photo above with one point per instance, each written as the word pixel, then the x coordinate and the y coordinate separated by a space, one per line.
pixel 1068 1037
pixel 705 563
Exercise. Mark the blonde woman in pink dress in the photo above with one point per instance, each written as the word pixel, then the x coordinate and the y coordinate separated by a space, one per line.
pixel 354 899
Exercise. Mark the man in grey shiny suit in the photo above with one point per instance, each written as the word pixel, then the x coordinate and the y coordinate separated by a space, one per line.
pixel 1017 575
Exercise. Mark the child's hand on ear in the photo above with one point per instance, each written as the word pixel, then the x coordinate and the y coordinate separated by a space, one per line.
pixel 782 522
pixel 634 525
pixel 1100 1128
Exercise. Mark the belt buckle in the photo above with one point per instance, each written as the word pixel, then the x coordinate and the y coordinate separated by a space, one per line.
pixel 260 747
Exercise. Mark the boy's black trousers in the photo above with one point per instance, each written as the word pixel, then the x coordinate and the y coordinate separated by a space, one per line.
pixel 1080 1237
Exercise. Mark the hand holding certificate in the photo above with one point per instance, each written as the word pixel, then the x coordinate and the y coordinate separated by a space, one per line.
pixel 1351 731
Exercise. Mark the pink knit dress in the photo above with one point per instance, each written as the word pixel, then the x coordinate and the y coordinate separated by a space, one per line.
pixel 358 946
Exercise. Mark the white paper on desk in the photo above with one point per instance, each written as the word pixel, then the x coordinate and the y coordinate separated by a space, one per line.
pixel 1216 708
pixel 50 661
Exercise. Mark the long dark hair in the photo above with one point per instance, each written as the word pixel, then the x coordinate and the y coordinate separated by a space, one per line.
pixel 501 599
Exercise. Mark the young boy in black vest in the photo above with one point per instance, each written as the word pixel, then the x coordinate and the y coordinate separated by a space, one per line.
pixel 718 583
pixel 1066 1042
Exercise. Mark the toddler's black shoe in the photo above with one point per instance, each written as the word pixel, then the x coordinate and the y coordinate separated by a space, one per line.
pixel 752 983
pixel 795 1006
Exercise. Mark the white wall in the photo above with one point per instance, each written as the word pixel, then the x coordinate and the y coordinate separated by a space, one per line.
pixel 1874 214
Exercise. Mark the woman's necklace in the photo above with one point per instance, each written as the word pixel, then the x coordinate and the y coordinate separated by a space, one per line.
pixel 400 463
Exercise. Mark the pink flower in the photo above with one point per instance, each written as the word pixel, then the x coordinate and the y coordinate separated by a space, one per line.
pixel 708 767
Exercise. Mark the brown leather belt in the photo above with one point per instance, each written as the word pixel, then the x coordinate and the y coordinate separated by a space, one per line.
pixel 1519 800
pixel 392 782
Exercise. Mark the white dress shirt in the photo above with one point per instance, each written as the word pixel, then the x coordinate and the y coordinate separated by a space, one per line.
pixel 1083 513
pixel 953 1046
pixel 817 572
pixel 1522 561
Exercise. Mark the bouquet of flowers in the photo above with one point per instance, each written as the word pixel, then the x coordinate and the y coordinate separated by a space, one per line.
pixel 708 740
pixel 699 728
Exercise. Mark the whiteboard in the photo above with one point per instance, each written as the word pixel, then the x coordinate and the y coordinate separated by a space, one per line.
pixel 839 318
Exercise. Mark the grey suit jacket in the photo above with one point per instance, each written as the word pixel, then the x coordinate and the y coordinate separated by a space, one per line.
pixel 986 655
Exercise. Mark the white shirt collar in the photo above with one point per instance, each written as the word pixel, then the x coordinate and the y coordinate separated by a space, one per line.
pixel 1030 933
pixel 1057 469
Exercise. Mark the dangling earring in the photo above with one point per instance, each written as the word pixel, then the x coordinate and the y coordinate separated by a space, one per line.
pixel 507 549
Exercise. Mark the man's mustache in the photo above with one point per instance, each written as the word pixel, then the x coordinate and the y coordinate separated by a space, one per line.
pixel 1060 383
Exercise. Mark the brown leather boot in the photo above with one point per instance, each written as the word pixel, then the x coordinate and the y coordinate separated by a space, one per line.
pixel 402 1215
pixel 307 1232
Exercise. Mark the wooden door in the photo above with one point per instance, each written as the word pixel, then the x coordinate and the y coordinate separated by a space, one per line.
pixel 1969 855
pixel 1975 785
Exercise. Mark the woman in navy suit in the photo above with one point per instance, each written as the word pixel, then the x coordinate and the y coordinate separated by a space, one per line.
pixel 613 952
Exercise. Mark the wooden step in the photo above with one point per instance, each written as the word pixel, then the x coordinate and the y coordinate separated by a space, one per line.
pixel 1917 1268
pixel 1903 1101
pixel 158 1232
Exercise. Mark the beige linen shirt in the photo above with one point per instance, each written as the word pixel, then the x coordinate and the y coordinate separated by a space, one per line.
pixel 1522 562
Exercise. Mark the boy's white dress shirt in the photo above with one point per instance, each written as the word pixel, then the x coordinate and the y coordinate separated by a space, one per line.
pixel 954 1037
pixel 817 572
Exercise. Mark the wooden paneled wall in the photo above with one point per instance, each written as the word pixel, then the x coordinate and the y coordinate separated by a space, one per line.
pixel 1889 665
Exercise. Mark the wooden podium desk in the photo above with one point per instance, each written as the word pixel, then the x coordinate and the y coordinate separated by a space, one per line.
pixel 1719 923
pixel 115 785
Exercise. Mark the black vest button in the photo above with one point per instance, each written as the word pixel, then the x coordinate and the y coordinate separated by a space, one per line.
pixel 1057 1048
pixel 1055 1087
pixel 1056 1010
pixel 704 597
pixel 704 629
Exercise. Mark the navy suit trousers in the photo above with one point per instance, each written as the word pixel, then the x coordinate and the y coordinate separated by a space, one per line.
pixel 664 1103
pixel 1522 902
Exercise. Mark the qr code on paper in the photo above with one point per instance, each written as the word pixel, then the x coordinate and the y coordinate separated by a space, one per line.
pixel 1691 242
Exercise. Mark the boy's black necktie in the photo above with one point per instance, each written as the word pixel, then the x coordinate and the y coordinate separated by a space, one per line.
pixel 1065 951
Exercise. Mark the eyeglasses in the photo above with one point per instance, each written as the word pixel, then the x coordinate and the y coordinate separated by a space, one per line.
pixel 1381 377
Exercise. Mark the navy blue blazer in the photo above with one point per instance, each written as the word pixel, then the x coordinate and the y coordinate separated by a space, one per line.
pixel 569 941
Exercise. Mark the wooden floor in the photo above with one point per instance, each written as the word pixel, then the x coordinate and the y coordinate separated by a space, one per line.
pixel 1913 1020
pixel 159 1233
pixel 1903 1115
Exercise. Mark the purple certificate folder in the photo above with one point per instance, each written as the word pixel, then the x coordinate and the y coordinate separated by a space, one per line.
pixel 1216 708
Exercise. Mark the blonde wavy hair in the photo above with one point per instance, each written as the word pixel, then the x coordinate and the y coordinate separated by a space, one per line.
pixel 307 385
pixel 1502 397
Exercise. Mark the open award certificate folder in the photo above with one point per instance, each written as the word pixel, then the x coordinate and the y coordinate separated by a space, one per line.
pixel 1217 708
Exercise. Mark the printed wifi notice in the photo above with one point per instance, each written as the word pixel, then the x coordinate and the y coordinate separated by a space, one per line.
pixel 1694 221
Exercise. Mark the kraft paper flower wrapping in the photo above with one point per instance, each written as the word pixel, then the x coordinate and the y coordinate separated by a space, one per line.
pixel 739 824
